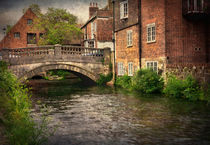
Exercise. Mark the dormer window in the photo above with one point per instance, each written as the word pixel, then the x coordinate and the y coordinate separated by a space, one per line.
pixel 29 21
pixel 124 9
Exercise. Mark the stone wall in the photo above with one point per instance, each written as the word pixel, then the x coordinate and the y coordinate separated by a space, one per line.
pixel 200 71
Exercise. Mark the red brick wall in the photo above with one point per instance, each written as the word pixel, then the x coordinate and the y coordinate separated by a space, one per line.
pixel 183 36
pixel 126 54
pixel 153 12
pixel 132 14
pixel 104 29
pixel 21 26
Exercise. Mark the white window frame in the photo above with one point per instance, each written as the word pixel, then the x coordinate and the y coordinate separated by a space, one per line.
pixel 151 33
pixel 120 69
pixel 91 43
pixel 129 38
pixel 124 9
pixel 130 69
pixel 149 66
pixel 92 30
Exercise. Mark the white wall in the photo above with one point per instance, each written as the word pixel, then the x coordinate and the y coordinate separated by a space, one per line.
pixel 105 44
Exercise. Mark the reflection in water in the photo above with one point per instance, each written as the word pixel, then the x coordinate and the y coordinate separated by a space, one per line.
pixel 105 116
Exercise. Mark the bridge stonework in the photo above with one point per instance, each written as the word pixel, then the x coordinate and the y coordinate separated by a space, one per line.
pixel 28 62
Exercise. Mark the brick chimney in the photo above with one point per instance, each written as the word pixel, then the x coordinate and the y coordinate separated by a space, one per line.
pixel 92 9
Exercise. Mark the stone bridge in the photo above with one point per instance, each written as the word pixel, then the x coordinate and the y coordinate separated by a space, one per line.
pixel 28 62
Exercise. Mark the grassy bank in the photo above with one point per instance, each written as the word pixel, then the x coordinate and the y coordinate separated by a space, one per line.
pixel 15 105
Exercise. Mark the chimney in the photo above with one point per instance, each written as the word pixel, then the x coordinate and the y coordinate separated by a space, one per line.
pixel 109 4
pixel 92 9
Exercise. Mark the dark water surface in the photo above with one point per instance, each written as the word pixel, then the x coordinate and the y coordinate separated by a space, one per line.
pixel 106 116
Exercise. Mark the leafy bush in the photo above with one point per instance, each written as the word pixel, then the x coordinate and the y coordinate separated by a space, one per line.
pixel 187 88
pixel 147 81
pixel 15 106
pixel 104 79
pixel 124 82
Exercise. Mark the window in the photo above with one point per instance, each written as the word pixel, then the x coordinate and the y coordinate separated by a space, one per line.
pixel 17 34
pixel 151 34
pixel 31 38
pixel 129 38
pixel 29 21
pixel 85 34
pixel 93 30
pixel 130 69
pixel 195 5
pixel 120 69
pixel 124 9
pixel 91 44
pixel 153 65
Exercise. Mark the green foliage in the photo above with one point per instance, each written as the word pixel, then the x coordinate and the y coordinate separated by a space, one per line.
pixel 59 73
pixel 9 27
pixel 35 8
pixel 59 26
pixel 124 82
pixel 104 79
pixel 15 105
pixel 147 81
pixel 187 88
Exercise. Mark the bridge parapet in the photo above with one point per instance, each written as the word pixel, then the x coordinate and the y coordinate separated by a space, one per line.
pixel 55 53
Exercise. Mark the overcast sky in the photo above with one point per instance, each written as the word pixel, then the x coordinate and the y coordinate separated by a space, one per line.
pixel 11 10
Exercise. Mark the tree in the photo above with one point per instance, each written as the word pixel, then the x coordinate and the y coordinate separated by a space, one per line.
pixel 58 25
pixel 35 8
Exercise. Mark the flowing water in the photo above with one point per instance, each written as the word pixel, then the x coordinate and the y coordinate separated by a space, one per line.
pixel 106 116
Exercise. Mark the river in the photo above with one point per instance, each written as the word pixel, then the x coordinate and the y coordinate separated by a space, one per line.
pixel 106 116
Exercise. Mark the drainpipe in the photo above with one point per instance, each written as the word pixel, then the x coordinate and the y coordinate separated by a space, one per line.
pixel 113 39
pixel 140 25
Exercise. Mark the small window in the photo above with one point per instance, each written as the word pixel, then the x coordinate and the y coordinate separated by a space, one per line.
pixel 153 65
pixel 17 34
pixel 31 38
pixel 91 44
pixel 29 21
pixel 130 69
pixel 120 69
pixel 85 34
pixel 124 9
pixel 129 38
pixel 41 35
pixel 151 33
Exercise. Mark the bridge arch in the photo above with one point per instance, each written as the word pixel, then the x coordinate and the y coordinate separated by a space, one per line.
pixel 44 68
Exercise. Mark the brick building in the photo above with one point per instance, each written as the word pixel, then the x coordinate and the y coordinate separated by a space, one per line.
pixel 161 34
pixel 21 34
pixel 98 29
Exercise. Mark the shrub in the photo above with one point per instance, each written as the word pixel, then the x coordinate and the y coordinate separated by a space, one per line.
pixel 186 88
pixel 104 79
pixel 174 87
pixel 124 82
pixel 15 104
pixel 147 81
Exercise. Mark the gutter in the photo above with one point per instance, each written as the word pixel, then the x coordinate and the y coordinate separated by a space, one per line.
pixel 140 31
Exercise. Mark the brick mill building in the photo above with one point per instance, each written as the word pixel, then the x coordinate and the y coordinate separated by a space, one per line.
pixel 162 35
pixel 21 34
pixel 98 29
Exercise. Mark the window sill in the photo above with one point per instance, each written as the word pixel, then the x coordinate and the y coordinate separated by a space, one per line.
pixel 128 46
pixel 149 42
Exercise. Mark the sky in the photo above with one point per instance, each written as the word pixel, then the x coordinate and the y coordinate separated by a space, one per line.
pixel 12 10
